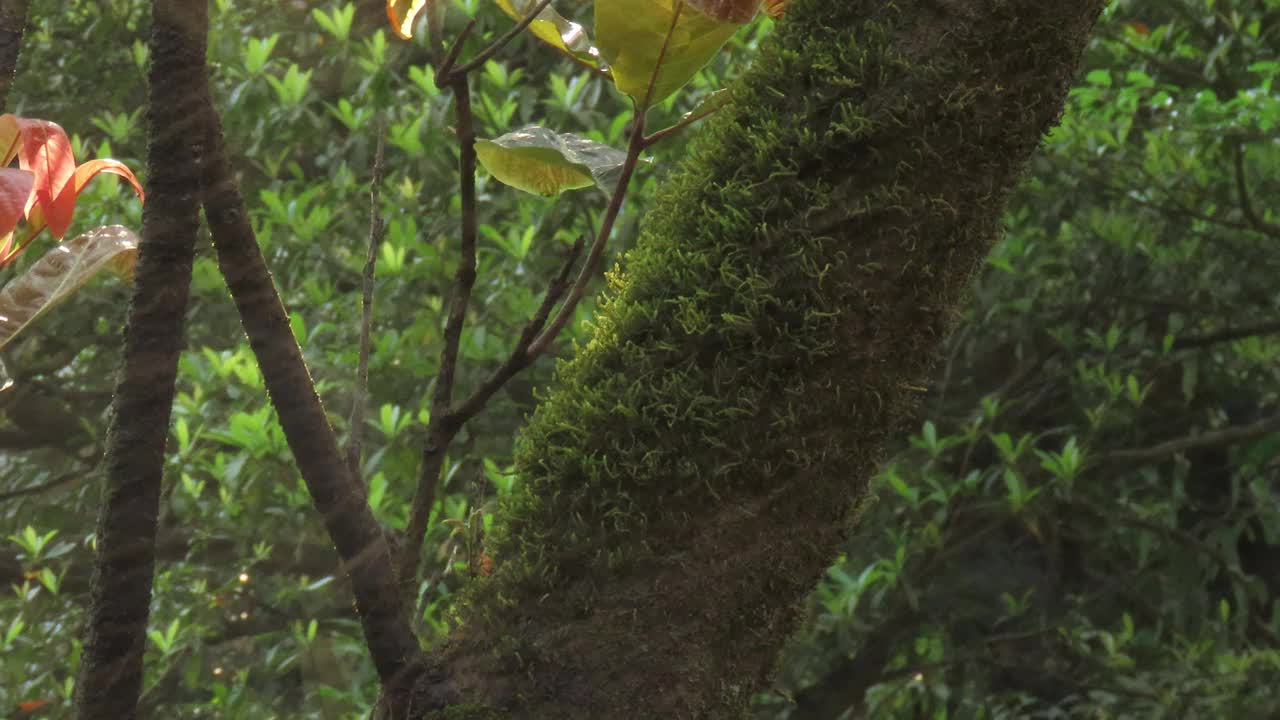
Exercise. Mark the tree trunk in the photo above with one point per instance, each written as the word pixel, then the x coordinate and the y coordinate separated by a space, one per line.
pixel 690 478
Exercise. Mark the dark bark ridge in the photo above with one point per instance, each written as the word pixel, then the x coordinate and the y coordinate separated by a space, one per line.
pixel 110 675
pixel 688 481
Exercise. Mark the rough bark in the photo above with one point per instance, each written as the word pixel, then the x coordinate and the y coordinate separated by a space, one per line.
pixel 13 23
pixel 691 476
pixel 110 675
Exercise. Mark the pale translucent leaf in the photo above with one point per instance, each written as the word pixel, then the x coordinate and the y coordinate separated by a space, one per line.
pixel 630 34
pixel 63 270
pixel 543 162
pixel 552 28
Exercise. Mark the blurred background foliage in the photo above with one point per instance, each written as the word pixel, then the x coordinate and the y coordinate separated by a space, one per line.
pixel 1084 524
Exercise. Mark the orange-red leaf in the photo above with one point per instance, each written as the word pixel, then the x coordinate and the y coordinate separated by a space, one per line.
pixel 36 220
pixel 15 188
pixel 402 13
pixel 775 8
pixel 27 706
pixel 45 150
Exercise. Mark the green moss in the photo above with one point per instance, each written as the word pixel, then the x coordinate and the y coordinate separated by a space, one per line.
pixel 688 391
pixel 753 353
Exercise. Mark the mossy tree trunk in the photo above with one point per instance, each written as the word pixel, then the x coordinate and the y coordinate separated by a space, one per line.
pixel 701 457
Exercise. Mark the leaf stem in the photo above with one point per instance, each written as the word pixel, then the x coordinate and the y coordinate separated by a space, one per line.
pixel 634 148
pixel 484 55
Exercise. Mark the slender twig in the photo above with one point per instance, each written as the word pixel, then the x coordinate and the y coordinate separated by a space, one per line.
pixel 41 487
pixel 440 429
pixel 520 356
pixel 377 230
pixel 1225 436
pixel 634 148
pixel 1187 342
pixel 465 276
pixel 496 46
pixel 444 76
pixel 684 122
pixel 1246 205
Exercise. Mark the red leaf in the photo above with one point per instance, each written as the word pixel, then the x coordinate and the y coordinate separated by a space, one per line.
pixel 15 188
pixel 46 151
pixel 84 173
pixel 27 706
pixel 90 169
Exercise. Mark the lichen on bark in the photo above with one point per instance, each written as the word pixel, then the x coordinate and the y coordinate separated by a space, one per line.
pixel 691 475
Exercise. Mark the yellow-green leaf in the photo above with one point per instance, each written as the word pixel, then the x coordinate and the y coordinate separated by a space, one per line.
pixel 542 162
pixel 62 271
pixel 553 28
pixel 630 34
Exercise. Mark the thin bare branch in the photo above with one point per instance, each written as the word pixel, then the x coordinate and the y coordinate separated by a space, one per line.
pixel 1246 203
pixel 1226 436
pixel 496 46
pixel 377 230
pixel 440 430
pixel 520 358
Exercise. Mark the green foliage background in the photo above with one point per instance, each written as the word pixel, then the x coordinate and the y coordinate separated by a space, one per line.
pixel 1047 544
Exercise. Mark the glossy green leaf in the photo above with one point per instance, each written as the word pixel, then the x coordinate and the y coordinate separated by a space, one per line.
pixel 630 34
pixel 62 271
pixel 553 28
pixel 542 162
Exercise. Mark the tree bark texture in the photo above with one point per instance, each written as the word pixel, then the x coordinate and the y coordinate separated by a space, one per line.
pixel 110 675
pixel 13 23
pixel 701 457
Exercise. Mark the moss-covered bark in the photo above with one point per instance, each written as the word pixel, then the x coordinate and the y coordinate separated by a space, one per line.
pixel 688 480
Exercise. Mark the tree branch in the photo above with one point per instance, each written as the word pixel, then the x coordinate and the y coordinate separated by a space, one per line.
pixel 377 230
pixel 339 498
pixel 110 675
pixel 496 46
pixel 1188 342
pixel 1242 189
pixel 13 23
pixel 1226 436
pixel 442 428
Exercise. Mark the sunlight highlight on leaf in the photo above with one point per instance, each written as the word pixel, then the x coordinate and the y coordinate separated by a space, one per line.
pixel 402 13
pixel 542 162
pixel 630 34
pixel 553 28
